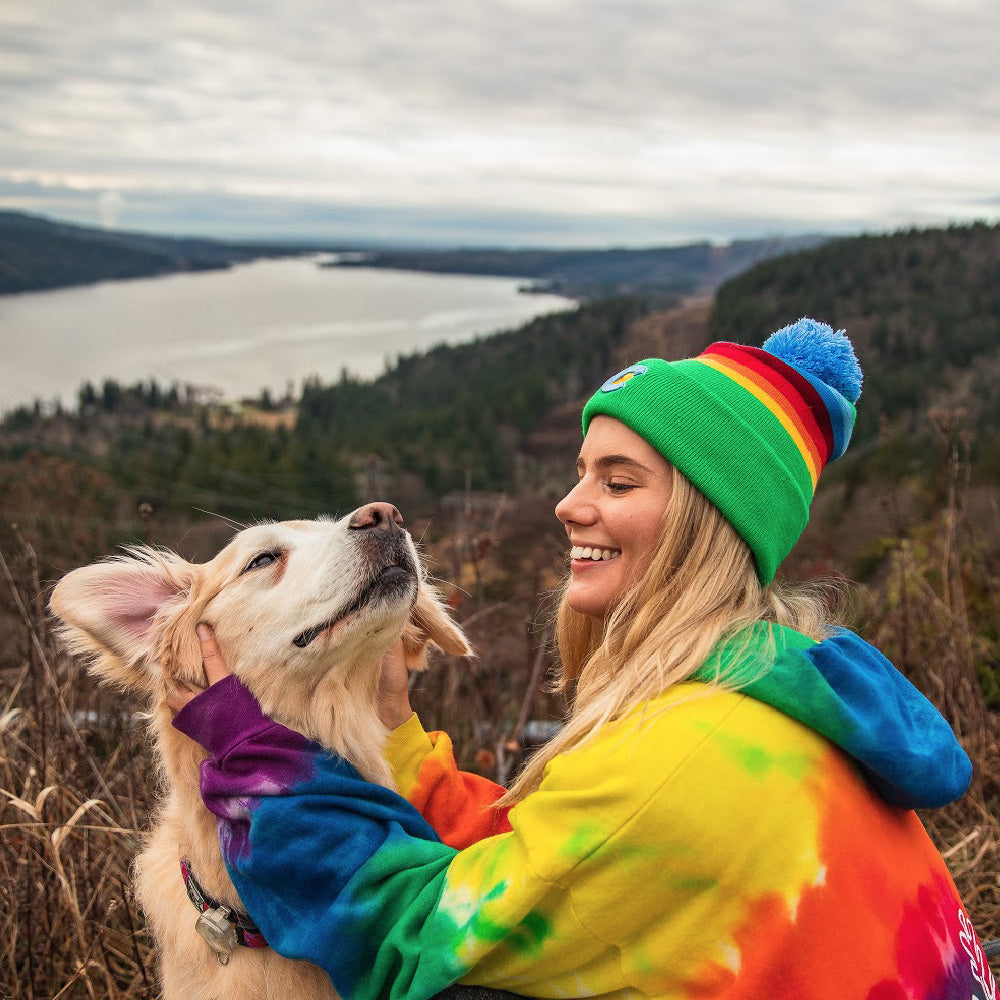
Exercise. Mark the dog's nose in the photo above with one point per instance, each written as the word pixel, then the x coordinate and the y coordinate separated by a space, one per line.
pixel 378 516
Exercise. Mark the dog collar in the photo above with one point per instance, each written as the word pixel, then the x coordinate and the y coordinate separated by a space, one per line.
pixel 223 927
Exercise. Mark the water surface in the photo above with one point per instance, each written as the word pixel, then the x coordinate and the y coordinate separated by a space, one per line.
pixel 268 324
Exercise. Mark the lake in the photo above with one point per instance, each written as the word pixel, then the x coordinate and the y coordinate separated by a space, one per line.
pixel 268 324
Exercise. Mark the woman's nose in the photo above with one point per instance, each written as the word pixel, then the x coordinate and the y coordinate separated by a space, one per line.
pixel 573 506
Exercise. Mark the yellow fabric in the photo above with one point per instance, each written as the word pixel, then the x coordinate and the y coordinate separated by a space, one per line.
pixel 706 846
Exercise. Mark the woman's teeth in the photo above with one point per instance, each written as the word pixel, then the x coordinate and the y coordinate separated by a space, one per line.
pixel 597 555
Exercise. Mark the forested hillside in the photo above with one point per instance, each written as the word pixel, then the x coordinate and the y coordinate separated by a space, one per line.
pixel 923 310
pixel 450 419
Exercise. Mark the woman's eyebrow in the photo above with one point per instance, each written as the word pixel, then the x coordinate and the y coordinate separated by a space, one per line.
pixel 614 461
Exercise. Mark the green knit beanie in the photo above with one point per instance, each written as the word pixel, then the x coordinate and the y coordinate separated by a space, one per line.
pixel 752 428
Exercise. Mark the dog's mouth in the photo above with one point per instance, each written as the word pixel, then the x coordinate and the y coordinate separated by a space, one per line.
pixel 389 583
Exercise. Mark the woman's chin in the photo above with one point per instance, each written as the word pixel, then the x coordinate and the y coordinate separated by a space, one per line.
pixel 595 589
pixel 585 601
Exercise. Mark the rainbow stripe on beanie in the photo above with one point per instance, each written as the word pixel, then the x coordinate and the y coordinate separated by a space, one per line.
pixel 751 427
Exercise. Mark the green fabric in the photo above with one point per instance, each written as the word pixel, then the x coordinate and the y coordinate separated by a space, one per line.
pixel 765 662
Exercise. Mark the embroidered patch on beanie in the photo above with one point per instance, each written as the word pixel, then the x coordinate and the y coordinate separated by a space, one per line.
pixel 751 427
pixel 617 381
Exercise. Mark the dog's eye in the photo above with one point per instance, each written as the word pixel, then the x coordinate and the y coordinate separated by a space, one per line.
pixel 264 559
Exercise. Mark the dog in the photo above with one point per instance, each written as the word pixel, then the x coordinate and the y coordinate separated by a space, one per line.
pixel 303 612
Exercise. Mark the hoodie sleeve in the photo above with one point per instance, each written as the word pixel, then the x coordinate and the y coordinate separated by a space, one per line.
pixel 459 805
pixel 327 864
pixel 345 874
pixel 348 875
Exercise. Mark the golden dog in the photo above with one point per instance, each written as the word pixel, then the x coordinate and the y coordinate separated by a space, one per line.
pixel 303 612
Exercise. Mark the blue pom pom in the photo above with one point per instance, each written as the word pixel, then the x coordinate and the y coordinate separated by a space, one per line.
pixel 817 349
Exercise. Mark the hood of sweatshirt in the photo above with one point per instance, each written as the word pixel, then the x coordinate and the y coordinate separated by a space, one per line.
pixel 846 690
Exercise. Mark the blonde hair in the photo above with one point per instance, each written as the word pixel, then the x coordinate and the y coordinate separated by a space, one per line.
pixel 700 586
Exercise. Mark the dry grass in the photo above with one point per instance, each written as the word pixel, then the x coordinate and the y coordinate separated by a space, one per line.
pixel 935 611
pixel 75 790
pixel 76 785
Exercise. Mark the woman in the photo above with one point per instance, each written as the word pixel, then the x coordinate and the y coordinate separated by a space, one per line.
pixel 726 811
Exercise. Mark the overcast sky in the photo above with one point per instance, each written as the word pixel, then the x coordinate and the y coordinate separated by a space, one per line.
pixel 572 122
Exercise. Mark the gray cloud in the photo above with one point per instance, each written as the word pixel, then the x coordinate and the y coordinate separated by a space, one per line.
pixel 811 116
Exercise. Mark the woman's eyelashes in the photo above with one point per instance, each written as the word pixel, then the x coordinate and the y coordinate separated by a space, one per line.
pixel 618 488
pixel 614 486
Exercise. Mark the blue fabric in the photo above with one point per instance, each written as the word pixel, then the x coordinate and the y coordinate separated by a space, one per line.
pixel 842 414
pixel 849 692
pixel 814 348
pixel 902 741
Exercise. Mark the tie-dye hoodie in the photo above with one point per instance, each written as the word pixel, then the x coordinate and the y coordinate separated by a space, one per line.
pixel 712 844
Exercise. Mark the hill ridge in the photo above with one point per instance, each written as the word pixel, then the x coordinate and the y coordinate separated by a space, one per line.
pixel 38 253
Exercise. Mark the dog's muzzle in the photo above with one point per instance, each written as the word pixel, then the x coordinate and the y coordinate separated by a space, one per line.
pixel 393 574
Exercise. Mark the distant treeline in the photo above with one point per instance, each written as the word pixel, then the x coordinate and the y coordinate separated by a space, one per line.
pixel 38 254
pixel 922 308
pixel 654 273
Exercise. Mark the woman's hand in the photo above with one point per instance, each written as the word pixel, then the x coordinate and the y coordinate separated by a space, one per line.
pixel 394 688
pixel 179 693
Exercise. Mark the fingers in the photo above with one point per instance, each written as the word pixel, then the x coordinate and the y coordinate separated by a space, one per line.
pixel 394 681
pixel 394 694
pixel 179 693
pixel 216 668
pixel 394 660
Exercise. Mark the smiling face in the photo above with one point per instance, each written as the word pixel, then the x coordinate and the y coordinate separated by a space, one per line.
pixel 612 515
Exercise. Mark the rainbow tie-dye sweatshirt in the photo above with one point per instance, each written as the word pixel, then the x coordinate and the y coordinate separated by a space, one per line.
pixel 713 844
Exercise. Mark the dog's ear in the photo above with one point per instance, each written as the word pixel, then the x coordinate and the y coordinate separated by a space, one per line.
pixel 107 612
pixel 430 622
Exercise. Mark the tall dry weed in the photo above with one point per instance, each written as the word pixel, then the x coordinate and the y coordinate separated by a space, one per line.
pixel 936 614
pixel 75 791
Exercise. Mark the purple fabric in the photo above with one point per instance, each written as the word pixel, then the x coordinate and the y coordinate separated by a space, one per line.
pixel 271 758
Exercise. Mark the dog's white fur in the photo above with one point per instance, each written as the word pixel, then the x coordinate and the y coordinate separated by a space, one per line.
pixel 134 617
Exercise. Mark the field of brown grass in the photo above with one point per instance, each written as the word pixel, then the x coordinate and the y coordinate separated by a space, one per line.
pixel 77 787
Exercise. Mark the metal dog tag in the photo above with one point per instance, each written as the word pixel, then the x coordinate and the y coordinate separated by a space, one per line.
pixel 217 929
